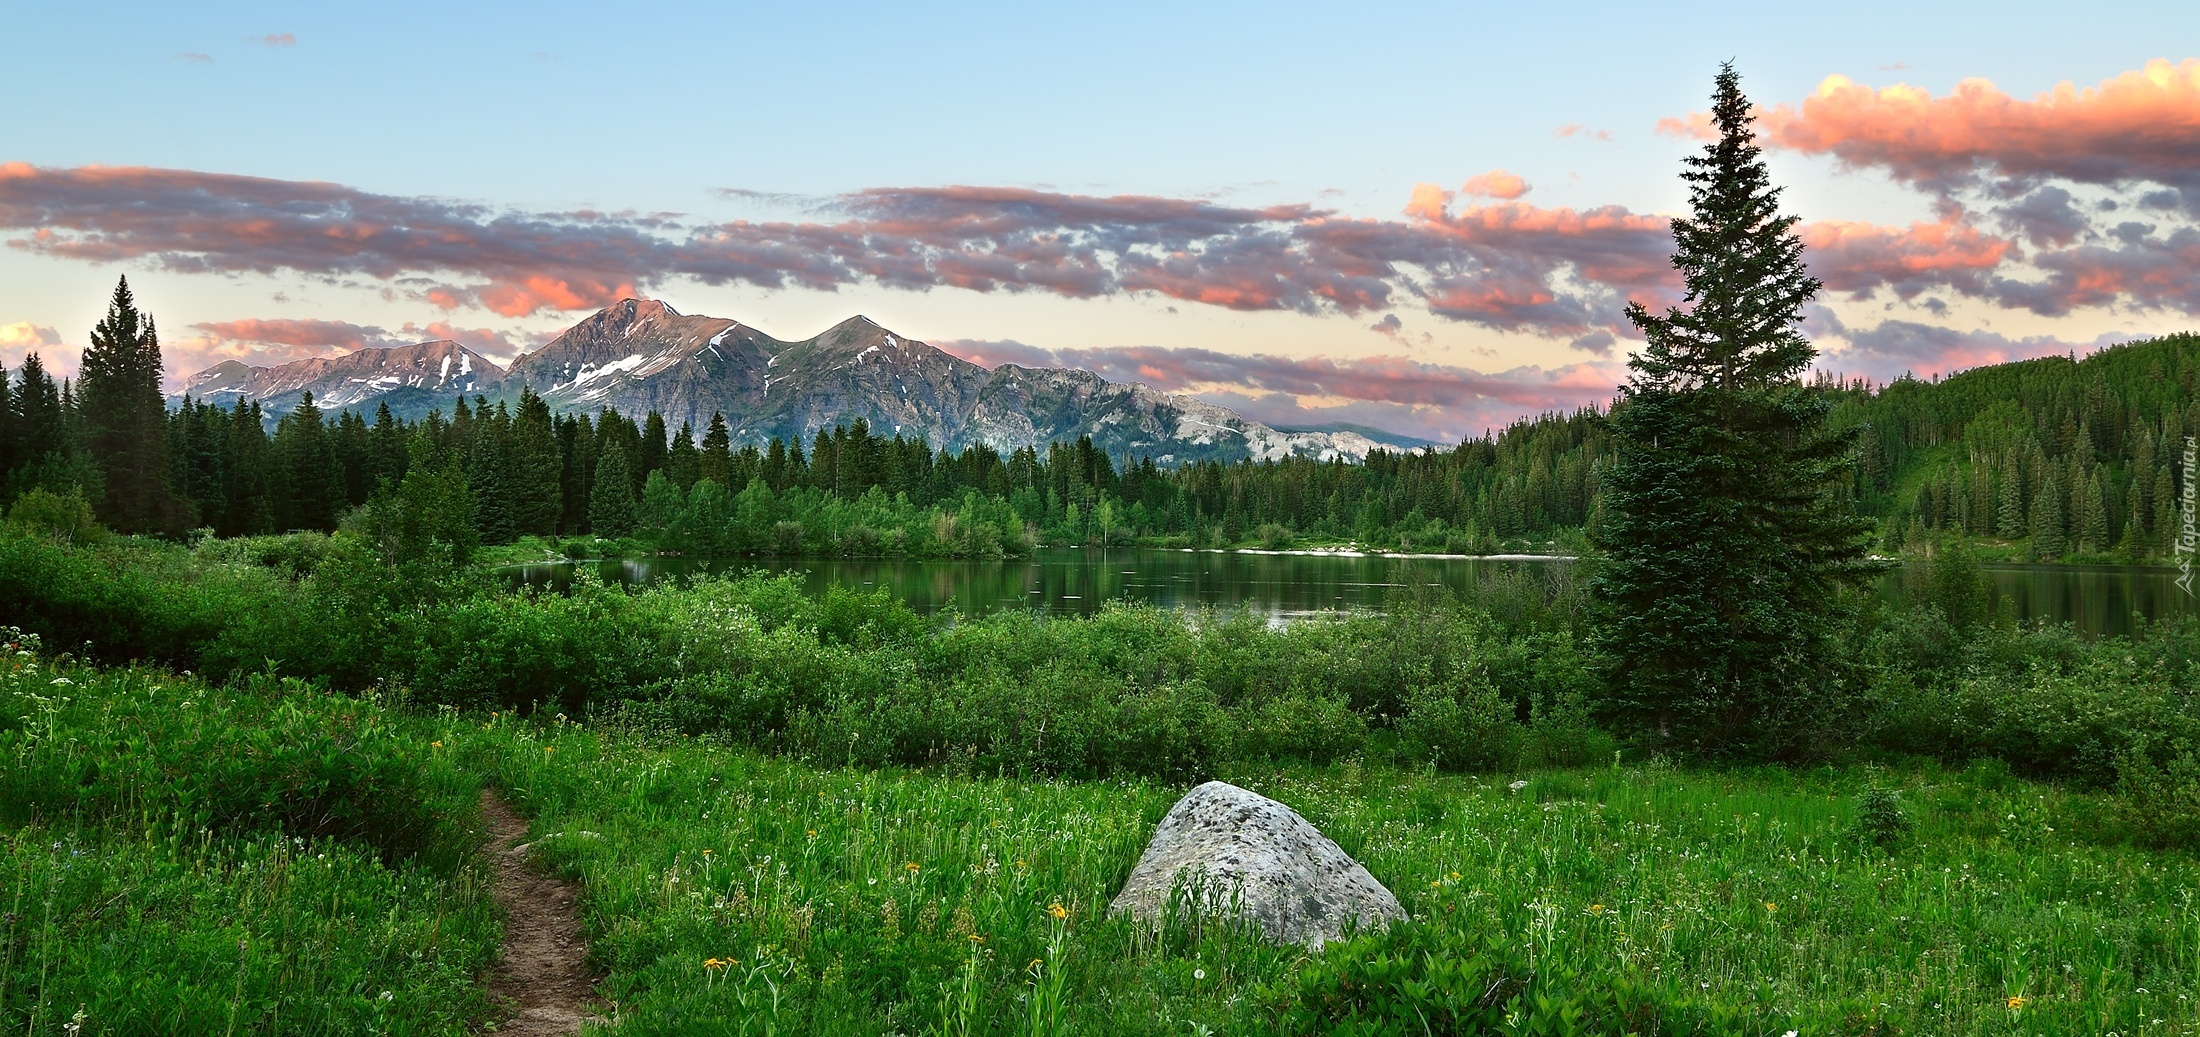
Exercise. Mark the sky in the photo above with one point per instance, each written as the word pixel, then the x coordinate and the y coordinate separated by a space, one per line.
pixel 1427 218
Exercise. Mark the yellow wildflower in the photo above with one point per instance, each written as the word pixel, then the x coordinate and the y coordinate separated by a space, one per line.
pixel 1596 909
pixel 549 748
pixel 1058 911
pixel 1770 906
pixel 975 938
pixel 1454 876
pixel 909 865
pixel 706 853
pixel 718 963
pixel 435 745
pixel 2017 1002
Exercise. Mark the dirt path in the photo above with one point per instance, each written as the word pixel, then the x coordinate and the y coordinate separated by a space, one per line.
pixel 543 978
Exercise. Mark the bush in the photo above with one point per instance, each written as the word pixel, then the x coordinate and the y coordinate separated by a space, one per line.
pixel 65 517
pixel 1881 820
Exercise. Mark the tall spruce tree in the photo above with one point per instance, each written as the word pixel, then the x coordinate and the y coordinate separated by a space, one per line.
pixel 716 464
pixel 611 499
pixel 537 494
pixel 1729 540
pixel 125 420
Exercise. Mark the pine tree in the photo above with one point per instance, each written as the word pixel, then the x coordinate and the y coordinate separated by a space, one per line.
pixel 716 464
pixel 40 431
pixel 2009 514
pixel 248 494
pixel 537 496
pixel 1729 546
pixel 309 480
pixel 682 463
pixel 651 457
pixel 125 420
pixel 611 500
pixel 2047 519
pixel 2093 508
pixel 10 453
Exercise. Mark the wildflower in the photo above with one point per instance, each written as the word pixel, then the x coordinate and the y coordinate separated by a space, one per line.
pixel 1435 885
pixel 549 748
pixel 61 681
pixel 813 833
pixel 1770 906
pixel 706 853
pixel 975 938
pixel 716 963
pixel 2017 1001
pixel 1596 909
pixel 910 866
pixel 435 745
pixel 1199 973
pixel 1058 911
pixel 1454 876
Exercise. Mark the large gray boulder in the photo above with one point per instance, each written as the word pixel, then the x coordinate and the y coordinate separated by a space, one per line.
pixel 1234 849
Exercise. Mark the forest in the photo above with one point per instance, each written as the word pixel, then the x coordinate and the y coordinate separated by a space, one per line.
pixel 2041 460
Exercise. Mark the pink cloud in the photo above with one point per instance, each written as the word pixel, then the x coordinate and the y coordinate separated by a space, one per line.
pixel 22 338
pixel 1508 265
pixel 2141 125
pixel 1496 183
pixel 274 40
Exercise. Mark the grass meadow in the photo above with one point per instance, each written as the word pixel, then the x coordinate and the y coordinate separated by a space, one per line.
pixel 791 816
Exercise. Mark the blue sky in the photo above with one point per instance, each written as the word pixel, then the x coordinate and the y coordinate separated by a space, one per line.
pixel 680 120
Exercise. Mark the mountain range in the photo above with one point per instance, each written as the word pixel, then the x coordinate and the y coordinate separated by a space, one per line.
pixel 639 355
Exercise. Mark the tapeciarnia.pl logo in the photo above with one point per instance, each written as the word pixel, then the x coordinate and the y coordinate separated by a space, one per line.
pixel 2187 537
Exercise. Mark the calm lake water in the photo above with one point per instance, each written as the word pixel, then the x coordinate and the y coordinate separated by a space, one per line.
pixel 1078 581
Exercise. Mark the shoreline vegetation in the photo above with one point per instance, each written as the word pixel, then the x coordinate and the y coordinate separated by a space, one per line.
pixel 809 807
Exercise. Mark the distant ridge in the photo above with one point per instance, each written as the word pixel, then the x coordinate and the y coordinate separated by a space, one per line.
pixel 638 355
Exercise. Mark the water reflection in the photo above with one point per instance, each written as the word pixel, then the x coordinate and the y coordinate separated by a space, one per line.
pixel 1079 581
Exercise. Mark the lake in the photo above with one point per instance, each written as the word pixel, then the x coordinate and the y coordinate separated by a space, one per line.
pixel 1078 581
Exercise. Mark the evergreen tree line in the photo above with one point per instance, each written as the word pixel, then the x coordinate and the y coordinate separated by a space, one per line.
pixel 2058 456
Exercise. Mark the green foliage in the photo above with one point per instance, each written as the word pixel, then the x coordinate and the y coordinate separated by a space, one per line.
pixel 176 858
pixel 1644 900
pixel 66 517
pixel 1728 541
pixel 1881 820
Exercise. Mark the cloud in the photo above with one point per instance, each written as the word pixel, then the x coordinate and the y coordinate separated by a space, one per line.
pixel 274 40
pixel 1860 258
pixel 1559 272
pixel 2046 217
pixel 1896 347
pixel 2139 126
pixel 23 337
pixel 1496 184
pixel 1388 380
pixel 1575 129
pixel 1390 325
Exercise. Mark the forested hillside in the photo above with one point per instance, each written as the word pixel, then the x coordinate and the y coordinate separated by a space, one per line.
pixel 2050 458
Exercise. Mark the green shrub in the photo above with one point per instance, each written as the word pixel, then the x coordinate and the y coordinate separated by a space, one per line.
pixel 64 517
pixel 1881 819
pixel 1469 728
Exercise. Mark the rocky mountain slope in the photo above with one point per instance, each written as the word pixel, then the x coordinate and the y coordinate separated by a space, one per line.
pixel 640 355
pixel 428 374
